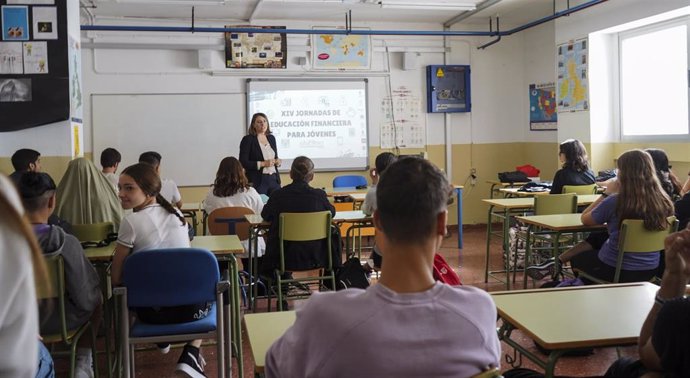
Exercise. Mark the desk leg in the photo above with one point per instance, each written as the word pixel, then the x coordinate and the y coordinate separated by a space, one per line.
pixel 488 244
pixel 504 333
pixel 528 252
pixel 234 318
pixel 491 191
pixel 458 193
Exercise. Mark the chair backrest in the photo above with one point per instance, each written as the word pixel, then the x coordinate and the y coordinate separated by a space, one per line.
pixel 229 221
pixel 555 204
pixel 349 181
pixel 94 232
pixel 489 373
pixel 300 227
pixel 580 189
pixel 54 290
pixel 170 277
pixel 635 238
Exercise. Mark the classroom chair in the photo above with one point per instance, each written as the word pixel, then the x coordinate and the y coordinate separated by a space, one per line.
pixel 634 238
pixel 489 373
pixel 55 291
pixel 94 232
pixel 580 189
pixel 301 227
pixel 183 276
pixel 349 181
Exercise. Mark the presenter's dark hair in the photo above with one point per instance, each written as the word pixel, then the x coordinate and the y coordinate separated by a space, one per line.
pixel 383 160
pixel 152 158
pixel 575 155
pixel 110 157
pixel 150 183
pixel 302 169
pixel 35 189
pixel 409 197
pixel 230 178
pixel 252 130
pixel 22 158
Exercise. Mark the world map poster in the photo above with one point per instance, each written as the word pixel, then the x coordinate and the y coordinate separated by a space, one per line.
pixel 542 107
pixel 573 94
pixel 340 52
pixel 256 50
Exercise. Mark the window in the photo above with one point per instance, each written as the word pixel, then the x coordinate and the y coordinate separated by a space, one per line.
pixel 654 81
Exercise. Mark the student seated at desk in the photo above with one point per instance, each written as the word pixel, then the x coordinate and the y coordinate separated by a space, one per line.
pixel 37 191
pixel 406 324
pixel 25 160
pixel 154 224
pixel 110 160
pixel 169 189
pixel 575 170
pixel 383 160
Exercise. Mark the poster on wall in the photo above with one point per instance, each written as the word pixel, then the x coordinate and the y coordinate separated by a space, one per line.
pixel 340 52
pixel 75 97
pixel 45 22
pixel 34 2
pixel 15 23
pixel 542 107
pixel 11 59
pixel 403 125
pixel 573 91
pixel 256 50
pixel 15 90
pixel 36 57
pixel 77 140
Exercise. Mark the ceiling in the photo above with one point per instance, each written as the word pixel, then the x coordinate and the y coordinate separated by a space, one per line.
pixel 512 12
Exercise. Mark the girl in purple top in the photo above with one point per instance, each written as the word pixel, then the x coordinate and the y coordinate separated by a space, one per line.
pixel 639 196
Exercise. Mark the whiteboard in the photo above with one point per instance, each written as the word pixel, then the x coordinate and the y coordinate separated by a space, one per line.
pixel 193 132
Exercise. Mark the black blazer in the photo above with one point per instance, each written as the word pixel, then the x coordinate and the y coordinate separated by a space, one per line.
pixel 297 197
pixel 250 153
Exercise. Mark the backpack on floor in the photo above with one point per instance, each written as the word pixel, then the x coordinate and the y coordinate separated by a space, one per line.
pixel 444 273
pixel 351 274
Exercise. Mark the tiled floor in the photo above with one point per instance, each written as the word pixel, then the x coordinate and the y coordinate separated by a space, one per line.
pixel 469 263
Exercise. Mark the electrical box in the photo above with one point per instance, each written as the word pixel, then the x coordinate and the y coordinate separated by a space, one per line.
pixel 448 89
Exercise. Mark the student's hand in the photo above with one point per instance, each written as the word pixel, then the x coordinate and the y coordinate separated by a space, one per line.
pixel 677 252
pixel 373 174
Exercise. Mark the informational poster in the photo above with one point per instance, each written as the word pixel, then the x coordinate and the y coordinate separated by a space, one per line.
pixel 573 91
pixel 404 125
pixel 75 99
pixel 11 59
pixel 45 22
pixel 341 52
pixel 77 139
pixel 35 57
pixel 542 107
pixel 15 90
pixel 256 50
pixel 15 23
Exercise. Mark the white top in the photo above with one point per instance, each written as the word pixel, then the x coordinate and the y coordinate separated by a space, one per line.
pixel 269 154
pixel 369 204
pixel 113 179
pixel 247 198
pixel 18 308
pixel 169 191
pixel 152 227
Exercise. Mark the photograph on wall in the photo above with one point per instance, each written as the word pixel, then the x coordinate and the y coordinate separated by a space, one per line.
pixel 542 107
pixel 32 2
pixel 75 98
pixel 340 52
pixel 45 22
pixel 573 91
pixel 15 23
pixel 15 90
pixel 36 57
pixel 256 50
pixel 11 61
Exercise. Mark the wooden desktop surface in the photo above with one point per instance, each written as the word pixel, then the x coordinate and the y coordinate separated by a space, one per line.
pixel 218 244
pixel 528 202
pixel 556 222
pixel 340 216
pixel 262 330
pixel 579 317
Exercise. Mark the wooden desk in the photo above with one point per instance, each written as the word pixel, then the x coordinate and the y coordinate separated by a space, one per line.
pixel 191 210
pixel 508 207
pixel 557 225
pixel 497 184
pixel 515 192
pixel 262 330
pixel 344 191
pixel 577 317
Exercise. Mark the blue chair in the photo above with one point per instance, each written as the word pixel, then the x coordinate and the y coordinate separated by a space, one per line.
pixel 349 181
pixel 166 278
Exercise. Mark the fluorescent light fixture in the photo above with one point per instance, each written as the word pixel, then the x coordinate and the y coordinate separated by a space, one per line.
pixel 424 5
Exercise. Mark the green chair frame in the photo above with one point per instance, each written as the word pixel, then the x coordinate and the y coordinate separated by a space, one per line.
pixel 635 238
pixel 580 189
pixel 94 232
pixel 56 292
pixel 298 227
pixel 489 373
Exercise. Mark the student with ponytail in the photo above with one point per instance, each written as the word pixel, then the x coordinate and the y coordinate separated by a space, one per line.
pixel 155 223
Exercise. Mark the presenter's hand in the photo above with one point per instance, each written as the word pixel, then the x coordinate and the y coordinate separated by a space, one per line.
pixel 277 162
pixel 267 163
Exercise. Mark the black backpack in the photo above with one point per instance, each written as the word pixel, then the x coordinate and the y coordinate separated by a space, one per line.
pixel 351 274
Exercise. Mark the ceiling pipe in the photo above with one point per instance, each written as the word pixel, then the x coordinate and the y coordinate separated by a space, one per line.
pixel 480 7
pixel 448 33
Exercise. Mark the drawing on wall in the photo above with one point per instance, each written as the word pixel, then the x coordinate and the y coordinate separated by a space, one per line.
pixel 34 2
pixel 340 52
pixel 15 90
pixel 35 57
pixel 403 125
pixel 542 107
pixel 573 91
pixel 45 22
pixel 11 58
pixel 75 100
pixel 256 50
pixel 15 23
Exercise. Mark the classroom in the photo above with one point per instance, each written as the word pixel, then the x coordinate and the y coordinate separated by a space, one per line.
pixel 146 87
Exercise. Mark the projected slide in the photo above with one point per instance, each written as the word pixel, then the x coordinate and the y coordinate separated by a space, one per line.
pixel 324 120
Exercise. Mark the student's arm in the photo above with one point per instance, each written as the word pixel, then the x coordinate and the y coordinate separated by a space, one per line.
pixel 246 160
pixel 121 253
pixel 83 284
pixel 588 219
pixel 676 275
pixel 557 184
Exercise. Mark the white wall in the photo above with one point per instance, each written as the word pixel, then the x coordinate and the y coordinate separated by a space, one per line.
pixel 539 67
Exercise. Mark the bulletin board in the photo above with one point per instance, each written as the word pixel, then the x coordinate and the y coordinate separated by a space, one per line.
pixel 34 69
